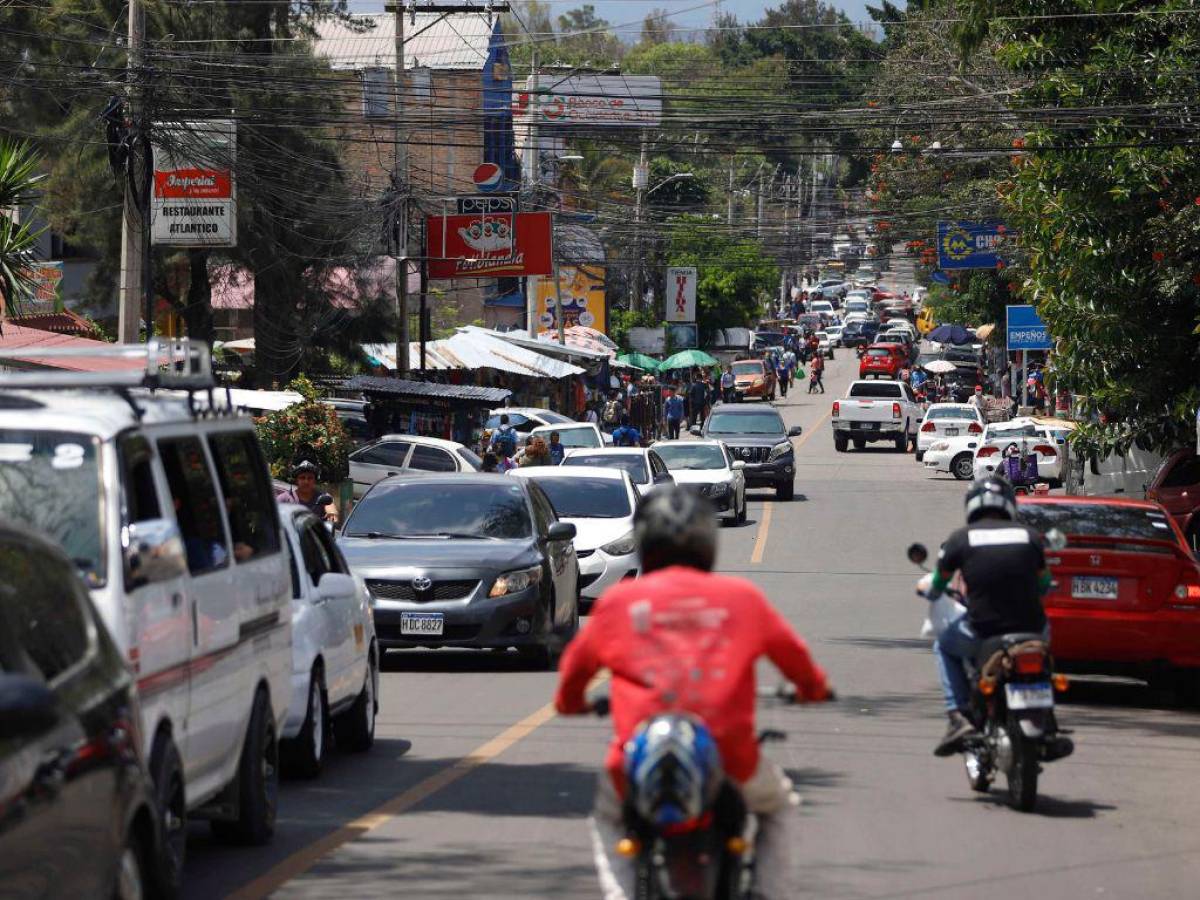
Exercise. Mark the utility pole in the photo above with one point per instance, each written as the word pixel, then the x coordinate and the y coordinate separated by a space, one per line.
pixel 400 188
pixel 729 197
pixel 641 178
pixel 758 216
pixel 133 224
pixel 532 165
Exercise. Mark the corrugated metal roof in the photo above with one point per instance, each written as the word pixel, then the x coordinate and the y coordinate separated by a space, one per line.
pixel 434 41
pixel 404 387
pixel 478 348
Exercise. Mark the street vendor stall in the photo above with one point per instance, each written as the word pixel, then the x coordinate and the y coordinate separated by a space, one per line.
pixel 451 411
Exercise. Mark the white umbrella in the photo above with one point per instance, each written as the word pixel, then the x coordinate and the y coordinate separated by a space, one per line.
pixel 939 366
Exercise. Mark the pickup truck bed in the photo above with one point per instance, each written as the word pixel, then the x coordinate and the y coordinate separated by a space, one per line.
pixel 876 411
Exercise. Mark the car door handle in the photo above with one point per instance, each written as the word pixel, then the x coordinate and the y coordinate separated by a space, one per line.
pixel 176 600
pixel 393 473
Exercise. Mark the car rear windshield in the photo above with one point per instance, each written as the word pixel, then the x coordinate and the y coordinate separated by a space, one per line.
pixel 635 465
pixel 748 368
pixel 413 509
pixel 877 390
pixel 765 422
pixel 950 412
pixel 1017 431
pixel 684 455
pixel 1097 520
pixel 879 351
pixel 50 483
pixel 587 498
pixel 574 437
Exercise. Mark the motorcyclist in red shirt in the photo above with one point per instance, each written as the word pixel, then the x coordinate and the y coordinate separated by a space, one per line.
pixel 682 639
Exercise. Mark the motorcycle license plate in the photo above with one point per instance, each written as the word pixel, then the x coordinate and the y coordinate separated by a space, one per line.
pixel 1029 696
pixel 422 623
pixel 1091 587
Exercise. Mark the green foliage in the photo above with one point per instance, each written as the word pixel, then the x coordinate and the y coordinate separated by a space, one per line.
pixel 621 320
pixel 1109 217
pixel 309 429
pixel 979 298
pixel 734 279
pixel 18 182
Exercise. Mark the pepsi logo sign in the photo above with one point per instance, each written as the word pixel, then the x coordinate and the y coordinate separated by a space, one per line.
pixel 488 177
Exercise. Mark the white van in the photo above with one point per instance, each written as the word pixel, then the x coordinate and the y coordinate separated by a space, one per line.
pixel 169 514
pixel 1118 474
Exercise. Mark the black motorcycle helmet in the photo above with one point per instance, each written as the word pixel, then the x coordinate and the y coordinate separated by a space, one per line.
pixel 675 527
pixel 991 495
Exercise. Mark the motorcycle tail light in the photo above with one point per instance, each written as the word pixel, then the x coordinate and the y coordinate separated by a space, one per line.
pixel 987 687
pixel 837 409
pixel 1029 663
pixel 928 426
pixel 895 410
pixel 628 847
pixel 736 845
pixel 987 451
pixel 974 428
pixel 1060 682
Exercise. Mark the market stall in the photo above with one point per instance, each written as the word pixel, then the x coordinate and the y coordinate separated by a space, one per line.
pixel 452 411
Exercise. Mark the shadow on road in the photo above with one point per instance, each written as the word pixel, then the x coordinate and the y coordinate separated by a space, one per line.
pixel 883 643
pixel 1048 806
pixel 453 660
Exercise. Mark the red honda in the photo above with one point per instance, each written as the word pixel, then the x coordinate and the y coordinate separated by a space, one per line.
pixel 1126 597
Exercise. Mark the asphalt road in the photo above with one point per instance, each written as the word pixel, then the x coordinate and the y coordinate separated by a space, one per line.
pixel 476 790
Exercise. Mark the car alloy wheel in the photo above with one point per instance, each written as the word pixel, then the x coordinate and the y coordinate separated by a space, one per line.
pixel 963 467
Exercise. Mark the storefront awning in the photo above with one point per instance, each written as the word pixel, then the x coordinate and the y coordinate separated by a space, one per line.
pixel 477 348
pixel 404 389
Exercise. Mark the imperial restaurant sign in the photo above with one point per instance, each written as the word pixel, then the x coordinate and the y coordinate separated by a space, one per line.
pixel 490 245
pixel 194 203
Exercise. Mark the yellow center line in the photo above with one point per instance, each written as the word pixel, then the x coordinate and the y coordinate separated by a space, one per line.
pixel 764 527
pixel 760 542
pixel 305 858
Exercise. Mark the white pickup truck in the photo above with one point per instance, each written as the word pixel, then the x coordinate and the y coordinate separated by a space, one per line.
pixel 876 411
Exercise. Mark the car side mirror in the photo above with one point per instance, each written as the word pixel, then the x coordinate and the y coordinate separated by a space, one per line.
pixel 695 429
pixel 27 707
pixel 738 465
pixel 153 551
pixel 917 554
pixel 335 586
pixel 561 531
pixel 795 431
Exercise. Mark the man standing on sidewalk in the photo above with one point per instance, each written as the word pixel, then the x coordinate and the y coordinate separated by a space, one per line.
pixel 698 395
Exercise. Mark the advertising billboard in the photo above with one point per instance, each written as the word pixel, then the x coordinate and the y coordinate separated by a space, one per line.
pixel 194 199
pixel 595 101
pixel 46 296
pixel 969 245
pixel 680 294
pixel 491 245
pixel 582 298
pixel 1026 330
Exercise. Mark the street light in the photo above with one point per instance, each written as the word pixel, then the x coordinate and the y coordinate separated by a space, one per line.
pixel 678 176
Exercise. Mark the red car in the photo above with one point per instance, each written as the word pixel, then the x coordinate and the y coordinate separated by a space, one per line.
pixel 1126 598
pixel 882 361
pixel 1176 486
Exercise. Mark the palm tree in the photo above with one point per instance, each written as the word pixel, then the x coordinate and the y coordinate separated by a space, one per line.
pixel 18 179
pixel 599 178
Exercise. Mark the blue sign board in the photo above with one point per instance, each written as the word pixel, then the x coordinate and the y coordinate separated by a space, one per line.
pixel 968 245
pixel 1026 331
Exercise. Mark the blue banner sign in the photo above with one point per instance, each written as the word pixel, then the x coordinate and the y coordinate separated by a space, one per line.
pixel 968 245
pixel 1026 331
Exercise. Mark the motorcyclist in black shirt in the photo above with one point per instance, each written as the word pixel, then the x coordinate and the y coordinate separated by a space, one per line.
pixel 1003 564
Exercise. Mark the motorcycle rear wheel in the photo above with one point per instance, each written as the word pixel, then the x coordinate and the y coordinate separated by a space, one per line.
pixel 1023 771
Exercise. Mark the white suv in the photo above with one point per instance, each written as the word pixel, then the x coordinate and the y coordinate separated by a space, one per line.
pixel 169 515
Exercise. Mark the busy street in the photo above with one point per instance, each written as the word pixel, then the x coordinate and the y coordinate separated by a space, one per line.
pixel 475 788
pixel 736 450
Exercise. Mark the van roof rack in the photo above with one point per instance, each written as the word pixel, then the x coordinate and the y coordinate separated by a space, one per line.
pixel 176 363
pixel 164 363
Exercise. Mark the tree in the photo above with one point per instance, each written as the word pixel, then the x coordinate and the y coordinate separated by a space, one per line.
pixel 656 27
pixel 1105 201
pixel 585 38
pixel 18 181
pixel 734 277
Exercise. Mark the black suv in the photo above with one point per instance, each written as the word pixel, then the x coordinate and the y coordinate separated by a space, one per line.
pixel 78 812
pixel 758 438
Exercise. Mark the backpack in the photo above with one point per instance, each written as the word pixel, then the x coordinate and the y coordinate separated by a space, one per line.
pixel 612 412
pixel 505 442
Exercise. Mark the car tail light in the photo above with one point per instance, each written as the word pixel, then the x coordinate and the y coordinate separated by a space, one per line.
pixel 895 410
pixel 1188 593
pixel 837 409
pixel 1029 663
pixel 928 426
pixel 974 428
pixel 985 452
pixel 1045 450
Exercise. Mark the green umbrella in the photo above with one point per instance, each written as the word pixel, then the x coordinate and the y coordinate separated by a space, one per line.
pixel 641 361
pixel 687 359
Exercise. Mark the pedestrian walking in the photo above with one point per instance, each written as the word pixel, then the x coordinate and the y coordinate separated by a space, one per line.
pixel 818 373
pixel 673 414
pixel 727 384
pixel 698 395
